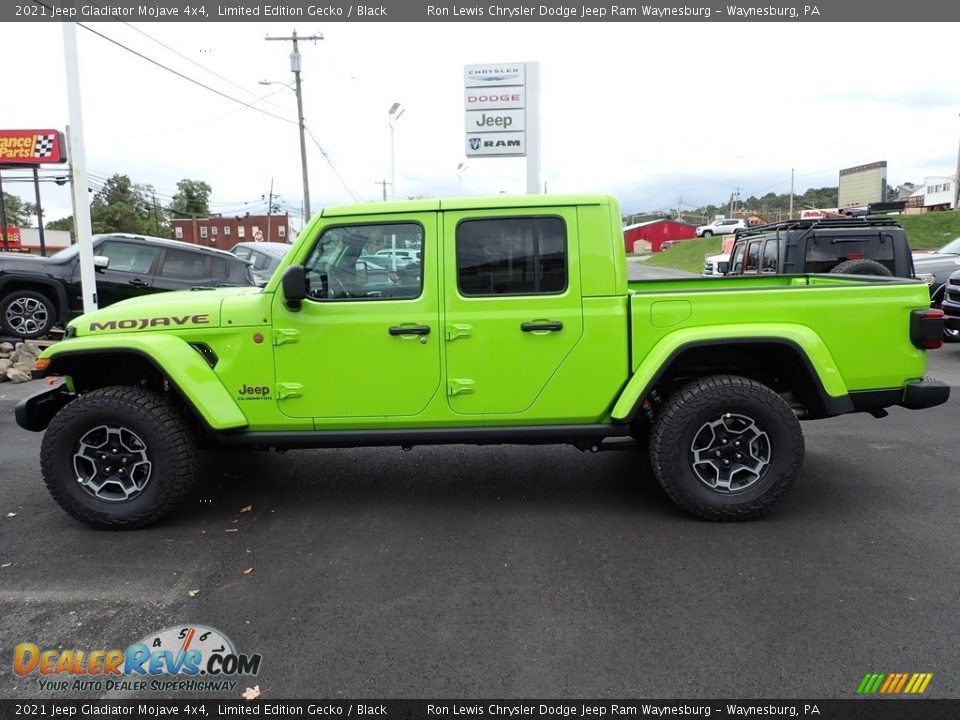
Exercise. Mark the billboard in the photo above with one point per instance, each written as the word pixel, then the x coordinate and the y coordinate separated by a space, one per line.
pixel 862 185
pixel 31 147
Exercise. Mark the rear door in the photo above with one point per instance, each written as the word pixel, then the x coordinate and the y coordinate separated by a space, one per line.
pixel 513 310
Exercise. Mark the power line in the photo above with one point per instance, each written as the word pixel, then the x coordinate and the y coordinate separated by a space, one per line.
pixel 195 63
pixel 332 166
pixel 181 75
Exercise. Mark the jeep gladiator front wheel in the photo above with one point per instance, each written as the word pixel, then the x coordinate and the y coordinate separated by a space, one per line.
pixel 726 448
pixel 118 458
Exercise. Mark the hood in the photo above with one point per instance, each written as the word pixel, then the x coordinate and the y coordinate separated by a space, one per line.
pixel 935 258
pixel 184 309
pixel 24 261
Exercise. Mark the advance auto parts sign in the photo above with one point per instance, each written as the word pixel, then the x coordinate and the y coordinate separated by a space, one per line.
pixel 31 147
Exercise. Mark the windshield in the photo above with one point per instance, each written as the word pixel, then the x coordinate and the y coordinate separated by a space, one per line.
pixel 67 252
pixel 952 247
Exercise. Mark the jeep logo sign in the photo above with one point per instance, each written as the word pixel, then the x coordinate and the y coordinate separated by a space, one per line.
pixel 495 121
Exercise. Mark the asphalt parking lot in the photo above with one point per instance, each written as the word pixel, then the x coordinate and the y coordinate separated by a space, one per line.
pixel 514 571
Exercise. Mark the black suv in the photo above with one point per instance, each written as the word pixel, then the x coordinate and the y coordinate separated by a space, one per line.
pixel 861 246
pixel 36 293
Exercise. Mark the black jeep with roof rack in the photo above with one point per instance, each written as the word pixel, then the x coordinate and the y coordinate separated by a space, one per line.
pixel 849 246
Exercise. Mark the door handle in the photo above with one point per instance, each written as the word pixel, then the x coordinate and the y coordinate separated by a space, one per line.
pixel 137 282
pixel 410 330
pixel 539 326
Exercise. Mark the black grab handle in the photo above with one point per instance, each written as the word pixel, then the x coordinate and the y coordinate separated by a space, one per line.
pixel 535 326
pixel 414 330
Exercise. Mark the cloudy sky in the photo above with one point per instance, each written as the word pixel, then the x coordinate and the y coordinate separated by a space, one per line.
pixel 650 112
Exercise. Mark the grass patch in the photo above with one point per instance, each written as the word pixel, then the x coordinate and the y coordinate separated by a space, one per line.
pixel 930 230
pixel 688 254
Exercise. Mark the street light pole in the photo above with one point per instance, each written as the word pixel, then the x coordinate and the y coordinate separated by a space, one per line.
pixel 394 114
pixel 460 170
pixel 295 69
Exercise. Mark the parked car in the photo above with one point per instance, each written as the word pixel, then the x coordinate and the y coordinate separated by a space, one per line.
pixel 391 258
pixel 721 227
pixel 536 339
pixel 36 293
pixel 864 246
pixel 937 266
pixel 264 257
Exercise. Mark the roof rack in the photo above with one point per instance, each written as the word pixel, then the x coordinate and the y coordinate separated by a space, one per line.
pixel 825 223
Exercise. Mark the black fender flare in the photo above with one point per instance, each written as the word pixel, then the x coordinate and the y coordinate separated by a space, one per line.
pixel 59 292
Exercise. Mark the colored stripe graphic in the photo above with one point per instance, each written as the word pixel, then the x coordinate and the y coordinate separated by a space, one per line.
pixel 894 683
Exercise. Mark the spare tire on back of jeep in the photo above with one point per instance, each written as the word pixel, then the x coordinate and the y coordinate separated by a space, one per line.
pixel 862 266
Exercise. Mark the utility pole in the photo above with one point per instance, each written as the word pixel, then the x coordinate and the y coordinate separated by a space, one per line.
pixel 269 209
pixel 295 68
pixel 156 215
pixel 791 194
pixel 383 182
pixel 956 195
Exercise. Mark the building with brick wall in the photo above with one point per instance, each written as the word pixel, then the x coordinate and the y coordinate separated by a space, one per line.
pixel 225 232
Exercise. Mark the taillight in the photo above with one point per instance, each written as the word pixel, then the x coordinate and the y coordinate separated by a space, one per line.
pixel 926 328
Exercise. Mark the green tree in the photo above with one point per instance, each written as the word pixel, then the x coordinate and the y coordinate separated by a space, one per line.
pixel 19 212
pixel 61 224
pixel 123 206
pixel 191 199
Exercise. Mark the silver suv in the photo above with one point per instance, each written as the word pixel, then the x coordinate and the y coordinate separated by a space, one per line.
pixel 721 227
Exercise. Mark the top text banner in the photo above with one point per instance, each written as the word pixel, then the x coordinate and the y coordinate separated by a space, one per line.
pixel 858 11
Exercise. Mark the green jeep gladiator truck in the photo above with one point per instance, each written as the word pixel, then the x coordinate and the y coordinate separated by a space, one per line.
pixel 515 324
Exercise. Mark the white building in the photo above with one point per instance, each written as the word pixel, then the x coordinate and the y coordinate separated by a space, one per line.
pixel 939 192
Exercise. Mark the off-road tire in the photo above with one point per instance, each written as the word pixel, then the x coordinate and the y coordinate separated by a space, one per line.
pixel 32 308
pixel 170 447
pixel 863 266
pixel 689 410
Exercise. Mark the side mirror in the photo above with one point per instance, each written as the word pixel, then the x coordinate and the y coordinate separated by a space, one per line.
pixel 101 262
pixel 361 272
pixel 723 268
pixel 294 285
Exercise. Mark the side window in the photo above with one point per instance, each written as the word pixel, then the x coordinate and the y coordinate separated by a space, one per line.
pixel 261 261
pixel 343 266
pixel 753 257
pixel 771 256
pixel 218 270
pixel 129 257
pixel 184 265
pixel 242 252
pixel 512 256
pixel 736 260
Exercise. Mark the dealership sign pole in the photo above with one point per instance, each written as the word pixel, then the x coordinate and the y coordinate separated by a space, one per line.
pixel 78 166
pixel 502 114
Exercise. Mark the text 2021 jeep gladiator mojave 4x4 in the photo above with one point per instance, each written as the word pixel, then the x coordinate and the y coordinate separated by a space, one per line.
pixel 519 327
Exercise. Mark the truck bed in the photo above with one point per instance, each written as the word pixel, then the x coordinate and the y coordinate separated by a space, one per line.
pixel 863 320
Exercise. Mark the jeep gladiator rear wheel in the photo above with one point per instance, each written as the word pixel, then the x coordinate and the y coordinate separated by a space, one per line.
pixel 26 314
pixel 119 458
pixel 726 448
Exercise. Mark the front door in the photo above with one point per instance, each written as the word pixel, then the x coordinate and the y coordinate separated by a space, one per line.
pixel 129 274
pixel 513 310
pixel 366 341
